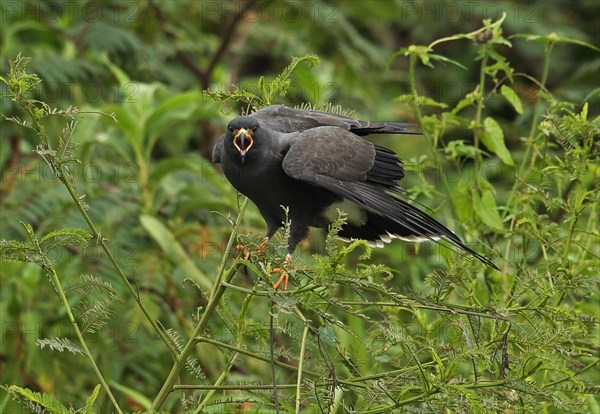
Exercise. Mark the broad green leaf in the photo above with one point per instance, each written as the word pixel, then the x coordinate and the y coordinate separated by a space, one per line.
pixel 175 109
pixel 127 124
pixel 554 38
pixel 458 149
pixel 486 209
pixel 447 60
pixel 426 101
pixel 136 396
pixel 493 138
pixel 468 100
pixel 173 250
pixel 405 98
pixel 463 201
pixel 169 165
pixel 121 76
pixel 511 96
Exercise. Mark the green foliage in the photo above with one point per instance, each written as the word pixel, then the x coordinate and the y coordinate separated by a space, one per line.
pixel 37 402
pixel 154 296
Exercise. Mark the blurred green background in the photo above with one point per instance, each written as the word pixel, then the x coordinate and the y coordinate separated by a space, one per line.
pixel 149 62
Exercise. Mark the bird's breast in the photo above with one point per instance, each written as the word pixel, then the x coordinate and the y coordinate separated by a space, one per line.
pixel 269 187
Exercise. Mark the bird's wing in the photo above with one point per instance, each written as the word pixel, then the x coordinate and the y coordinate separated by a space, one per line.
pixel 334 153
pixel 286 120
pixel 216 154
pixel 368 175
pixel 283 119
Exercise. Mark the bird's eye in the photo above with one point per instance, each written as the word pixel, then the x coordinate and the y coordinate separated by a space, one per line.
pixel 254 129
pixel 230 129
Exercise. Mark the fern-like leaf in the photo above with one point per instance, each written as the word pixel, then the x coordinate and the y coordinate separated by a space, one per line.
pixel 59 344
pixel 16 251
pixel 35 401
pixel 192 364
pixel 65 237
pixel 86 284
pixel 93 317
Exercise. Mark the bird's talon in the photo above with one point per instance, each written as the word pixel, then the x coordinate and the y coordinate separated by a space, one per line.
pixel 283 278
pixel 260 250
pixel 243 249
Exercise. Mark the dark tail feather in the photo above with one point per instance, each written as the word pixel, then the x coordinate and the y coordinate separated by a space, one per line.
pixel 380 228
pixel 395 216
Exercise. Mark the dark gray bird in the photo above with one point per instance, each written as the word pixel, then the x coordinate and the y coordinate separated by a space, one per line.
pixel 315 163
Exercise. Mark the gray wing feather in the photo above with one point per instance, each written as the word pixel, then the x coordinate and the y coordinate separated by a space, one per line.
pixel 283 119
pixel 216 154
pixel 329 151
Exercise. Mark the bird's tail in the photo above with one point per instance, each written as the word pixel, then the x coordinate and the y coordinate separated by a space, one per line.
pixel 413 227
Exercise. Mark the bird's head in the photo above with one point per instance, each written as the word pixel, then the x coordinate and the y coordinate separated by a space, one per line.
pixel 241 131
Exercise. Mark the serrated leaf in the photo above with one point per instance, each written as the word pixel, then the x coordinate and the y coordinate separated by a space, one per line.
pixel 493 138
pixel 458 149
pixel 173 250
pixel 511 96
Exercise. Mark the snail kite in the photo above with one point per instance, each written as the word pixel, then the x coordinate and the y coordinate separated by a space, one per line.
pixel 315 162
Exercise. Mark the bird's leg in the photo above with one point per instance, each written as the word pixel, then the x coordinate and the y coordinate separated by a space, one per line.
pixel 284 274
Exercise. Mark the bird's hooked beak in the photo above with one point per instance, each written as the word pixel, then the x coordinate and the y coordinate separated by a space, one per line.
pixel 242 140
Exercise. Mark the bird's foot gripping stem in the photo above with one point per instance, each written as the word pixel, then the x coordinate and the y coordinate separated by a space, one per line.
pixel 245 251
pixel 284 277
pixel 260 250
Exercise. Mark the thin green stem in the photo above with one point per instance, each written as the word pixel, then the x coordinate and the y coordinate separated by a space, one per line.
pixel 301 358
pixel 233 358
pixel 423 396
pixel 272 355
pixel 101 241
pixel 62 175
pixel 479 114
pixel 63 298
pixel 213 301
pixel 240 387
pixel 278 363
pixel 536 112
